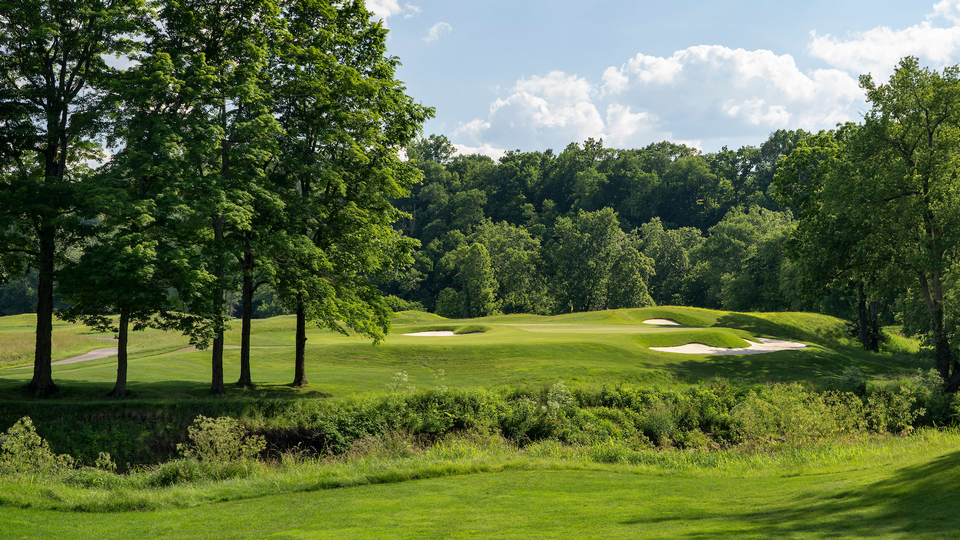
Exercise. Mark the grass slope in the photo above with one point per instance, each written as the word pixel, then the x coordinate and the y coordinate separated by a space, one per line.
pixel 875 489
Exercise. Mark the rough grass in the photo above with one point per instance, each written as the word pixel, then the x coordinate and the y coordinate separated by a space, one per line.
pixel 465 488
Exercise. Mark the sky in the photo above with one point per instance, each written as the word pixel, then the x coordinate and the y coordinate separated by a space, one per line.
pixel 535 75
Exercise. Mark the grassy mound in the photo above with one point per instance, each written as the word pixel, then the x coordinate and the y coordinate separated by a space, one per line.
pixel 714 337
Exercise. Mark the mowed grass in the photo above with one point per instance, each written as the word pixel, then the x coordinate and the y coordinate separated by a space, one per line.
pixel 597 348
pixel 889 488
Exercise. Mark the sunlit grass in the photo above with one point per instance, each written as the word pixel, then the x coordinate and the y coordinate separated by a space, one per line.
pixel 582 349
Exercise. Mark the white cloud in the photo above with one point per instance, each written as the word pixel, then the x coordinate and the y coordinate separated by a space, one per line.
pixel 948 9
pixel 384 9
pixel 704 87
pixel 484 149
pixel 650 69
pixel 757 112
pixel 554 107
pixel 437 30
pixel 473 129
pixel 879 50
pixel 557 86
pixel 622 125
pixel 614 81
pixel 412 11
pixel 709 94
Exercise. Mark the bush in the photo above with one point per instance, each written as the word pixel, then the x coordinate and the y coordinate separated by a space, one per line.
pixel 24 453
pixel 853 381
pixel 220 440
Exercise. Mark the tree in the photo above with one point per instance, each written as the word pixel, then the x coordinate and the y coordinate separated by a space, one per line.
pixel 220 53
pixel 901 197
pixel 344 118
pixel 478 286
pixel 581 259
pixel 514 256
pixel 53 102
pixel 827 246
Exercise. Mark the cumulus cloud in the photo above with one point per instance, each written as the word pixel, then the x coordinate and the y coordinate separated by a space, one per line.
pixel 543 109
pixel 436 31
pixel 948 9
pixel 614 81
pixel 877 51
pixel 623 125
pixel 485 149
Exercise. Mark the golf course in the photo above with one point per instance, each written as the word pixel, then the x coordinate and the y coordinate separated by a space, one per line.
pixel 513 426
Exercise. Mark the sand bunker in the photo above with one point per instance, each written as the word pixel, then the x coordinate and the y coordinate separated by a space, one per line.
pixel 435 333
pixel 765 346
pixel 662 322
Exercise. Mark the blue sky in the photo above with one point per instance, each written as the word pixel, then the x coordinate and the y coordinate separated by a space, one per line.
pixel 532 75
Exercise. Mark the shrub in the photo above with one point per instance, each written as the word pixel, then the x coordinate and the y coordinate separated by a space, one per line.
pixel 853 381
pixel 889 411
pixel 930 391
pixel 220 440
pixel 23 452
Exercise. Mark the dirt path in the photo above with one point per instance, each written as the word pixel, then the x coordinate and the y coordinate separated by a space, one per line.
pixel 95 354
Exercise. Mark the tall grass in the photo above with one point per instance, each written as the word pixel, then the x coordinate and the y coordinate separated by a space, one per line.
pixel 17 348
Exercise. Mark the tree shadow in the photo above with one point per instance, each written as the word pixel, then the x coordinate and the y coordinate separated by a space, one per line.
pixel 173 390
pixel 758 325
pixel 919 501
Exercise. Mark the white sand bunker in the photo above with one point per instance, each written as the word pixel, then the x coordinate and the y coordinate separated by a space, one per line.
pixel 662 322
pixel 764 346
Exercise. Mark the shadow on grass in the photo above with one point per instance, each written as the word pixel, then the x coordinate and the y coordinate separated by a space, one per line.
pixel 96 391
pixel 921 501
pixel 816 365
pixel 825 335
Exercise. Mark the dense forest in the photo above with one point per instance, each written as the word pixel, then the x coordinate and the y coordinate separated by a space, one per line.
pixel 595 228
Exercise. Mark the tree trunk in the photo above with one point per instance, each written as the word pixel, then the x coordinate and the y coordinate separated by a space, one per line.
pixel 216 385
pixel 120 388
pixel 245 380
pixel 300 371
pixel 42 384
pixel 866 333
pixel 933 296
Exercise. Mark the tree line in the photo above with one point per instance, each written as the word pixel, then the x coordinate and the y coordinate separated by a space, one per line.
pixel 595 228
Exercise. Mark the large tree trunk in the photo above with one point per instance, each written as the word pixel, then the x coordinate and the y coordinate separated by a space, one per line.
pixel 216 385
pixel 933 296
pixel 245 380
pixel 300 370
pixel 120 388
pixel 42 384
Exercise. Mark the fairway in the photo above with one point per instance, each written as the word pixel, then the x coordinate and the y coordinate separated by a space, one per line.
pixel 597 348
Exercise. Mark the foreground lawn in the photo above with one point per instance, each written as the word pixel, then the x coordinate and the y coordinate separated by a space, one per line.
pixel 894 488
